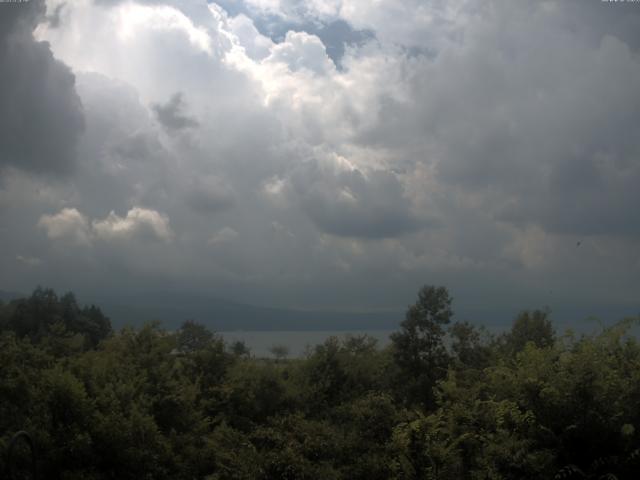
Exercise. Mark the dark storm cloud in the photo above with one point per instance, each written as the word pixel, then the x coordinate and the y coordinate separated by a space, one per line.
pixel 584 196
pixel 209 194
pixel 20 17
pixel 40 113
pixel 351 204
pixel 171 115
pixel 593 20
pixel 136 147
pixel 568 159
pixel 535 115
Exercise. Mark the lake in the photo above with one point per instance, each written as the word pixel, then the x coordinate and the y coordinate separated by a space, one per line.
pixel 296 341
pixel 259 342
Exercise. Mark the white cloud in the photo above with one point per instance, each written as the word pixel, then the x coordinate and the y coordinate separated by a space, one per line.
pixel 71 225
pixel 416 23
pixel 68 224
pixel 133 19
pixel 139 222
pixel 139 44
pixel 300 50
pixel 29 261
pixel 223 236
pixel 256 46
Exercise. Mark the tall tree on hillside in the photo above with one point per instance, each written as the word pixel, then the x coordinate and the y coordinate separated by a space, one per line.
pixel 44 313
pixel 193 336
pixel 279 351
pixel 530 326
pixel 419 349
pixel 469 347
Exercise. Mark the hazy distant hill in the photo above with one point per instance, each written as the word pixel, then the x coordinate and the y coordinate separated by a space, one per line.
pixel 223 315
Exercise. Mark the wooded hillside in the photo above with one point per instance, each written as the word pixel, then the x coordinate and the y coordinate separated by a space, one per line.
pixel 444 401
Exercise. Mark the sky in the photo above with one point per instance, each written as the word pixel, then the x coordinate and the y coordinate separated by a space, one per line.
pixel 324 154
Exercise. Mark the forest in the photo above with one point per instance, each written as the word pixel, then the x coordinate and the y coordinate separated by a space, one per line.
pixel 445 400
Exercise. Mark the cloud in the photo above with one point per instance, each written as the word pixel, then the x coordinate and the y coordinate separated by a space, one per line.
pixel 300 50
pixel 171 115
pixel 526 116
pixel 69 225
pixel 256 46
pixel 55 18
pixel 40 113
pixel 223 236
pixel 139 222
pixel 29 261
pixel 136 18
pixel 348 202
pixel 208 194
pixel 455 143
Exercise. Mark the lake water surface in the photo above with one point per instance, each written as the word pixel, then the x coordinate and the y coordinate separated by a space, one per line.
pixel 296 341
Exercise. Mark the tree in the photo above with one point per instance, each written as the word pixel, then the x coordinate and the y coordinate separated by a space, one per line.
pixel 239 349
pixel 95 325
pixel 535 327
pixel 279 351
pixel 193 336
pixel 44 314
pixel 418 349
pixel 468 346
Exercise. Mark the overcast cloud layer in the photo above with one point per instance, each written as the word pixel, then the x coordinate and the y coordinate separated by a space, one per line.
pixel 323 153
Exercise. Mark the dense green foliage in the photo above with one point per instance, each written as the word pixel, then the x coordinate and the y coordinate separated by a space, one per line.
pixel 445 401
